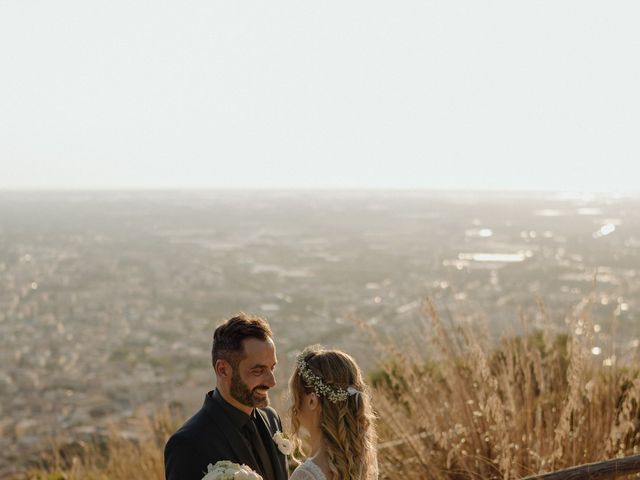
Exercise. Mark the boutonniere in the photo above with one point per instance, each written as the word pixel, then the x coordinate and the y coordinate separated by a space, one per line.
pixel 284 444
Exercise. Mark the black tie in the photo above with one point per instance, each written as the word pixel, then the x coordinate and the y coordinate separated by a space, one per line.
pixel 259 450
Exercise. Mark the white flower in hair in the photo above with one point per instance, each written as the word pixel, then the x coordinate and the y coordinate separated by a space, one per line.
pixel 352 390
pixel 331 392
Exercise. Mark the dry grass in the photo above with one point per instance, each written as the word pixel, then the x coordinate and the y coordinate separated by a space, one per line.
pixel 534 404
pixel 116 457
pixel 450 407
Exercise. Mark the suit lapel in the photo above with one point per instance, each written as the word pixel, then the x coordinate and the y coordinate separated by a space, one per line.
pixel 233 436
pixel 278 460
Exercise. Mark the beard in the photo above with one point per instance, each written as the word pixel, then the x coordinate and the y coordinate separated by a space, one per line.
pixel 246 396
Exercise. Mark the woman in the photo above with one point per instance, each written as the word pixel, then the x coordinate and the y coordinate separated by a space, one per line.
pixel 331 402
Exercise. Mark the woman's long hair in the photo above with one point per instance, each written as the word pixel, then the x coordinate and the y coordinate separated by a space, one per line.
pixel 347 426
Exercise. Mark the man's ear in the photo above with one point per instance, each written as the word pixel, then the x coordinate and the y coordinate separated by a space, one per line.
pixel 223 368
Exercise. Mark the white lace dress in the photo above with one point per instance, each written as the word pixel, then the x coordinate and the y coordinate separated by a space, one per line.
pixel 307 471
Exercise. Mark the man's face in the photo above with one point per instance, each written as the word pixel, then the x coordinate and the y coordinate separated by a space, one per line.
pixel 253 376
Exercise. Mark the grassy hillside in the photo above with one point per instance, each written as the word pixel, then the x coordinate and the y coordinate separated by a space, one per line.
pixel 451 406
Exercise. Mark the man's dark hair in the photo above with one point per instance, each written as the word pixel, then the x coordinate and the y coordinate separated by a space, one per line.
pixel 228 337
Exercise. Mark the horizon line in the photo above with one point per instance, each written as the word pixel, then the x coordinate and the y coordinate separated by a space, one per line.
pixel 181 189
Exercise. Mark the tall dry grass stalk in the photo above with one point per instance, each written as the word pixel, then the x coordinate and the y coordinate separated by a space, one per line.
pixel 452 408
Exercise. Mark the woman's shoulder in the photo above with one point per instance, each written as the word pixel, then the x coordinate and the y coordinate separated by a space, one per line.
pixel 308 471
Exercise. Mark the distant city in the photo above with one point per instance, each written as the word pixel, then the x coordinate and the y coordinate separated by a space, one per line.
pixel 108 300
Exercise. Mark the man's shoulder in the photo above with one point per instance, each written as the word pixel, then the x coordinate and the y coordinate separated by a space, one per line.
pixel 199 424
pixel 186 452
pixel 192 440
pixel 180 440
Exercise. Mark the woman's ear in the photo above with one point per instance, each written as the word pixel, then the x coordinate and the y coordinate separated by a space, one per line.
pixel 313 401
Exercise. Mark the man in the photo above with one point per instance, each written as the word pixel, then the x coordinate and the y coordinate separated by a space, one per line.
pixel 235 423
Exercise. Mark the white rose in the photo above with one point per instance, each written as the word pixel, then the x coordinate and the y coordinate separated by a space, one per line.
pixel 245 473
pixel 226 470
pixel 284 444
pixel 211 474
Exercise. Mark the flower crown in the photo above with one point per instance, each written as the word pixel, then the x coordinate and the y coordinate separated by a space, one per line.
pixel 330 392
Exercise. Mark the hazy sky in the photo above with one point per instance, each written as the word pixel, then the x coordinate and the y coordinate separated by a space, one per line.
pixel 410 94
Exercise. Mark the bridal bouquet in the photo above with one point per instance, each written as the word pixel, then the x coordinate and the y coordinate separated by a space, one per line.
pixel 226 470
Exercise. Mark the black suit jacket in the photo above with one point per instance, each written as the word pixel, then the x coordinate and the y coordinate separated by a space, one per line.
pixel 210 436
